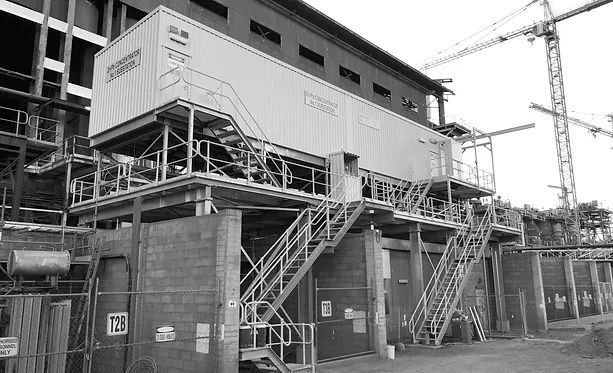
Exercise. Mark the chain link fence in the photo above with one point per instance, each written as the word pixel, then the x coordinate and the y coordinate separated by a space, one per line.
pixel 500 315
pixel 174 331
pixel 557 302
pixel 343 315
pixel 43 333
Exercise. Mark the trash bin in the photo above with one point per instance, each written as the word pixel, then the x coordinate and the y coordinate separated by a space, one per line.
pixel 466 331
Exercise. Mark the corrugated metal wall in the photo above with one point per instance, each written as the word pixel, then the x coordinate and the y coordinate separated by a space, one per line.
pixel 294 109
pixel 133 92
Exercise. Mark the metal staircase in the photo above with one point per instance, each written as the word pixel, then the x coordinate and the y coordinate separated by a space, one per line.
pixel 282 267
pixel 410 195
pixel 259 165
pixel 434 310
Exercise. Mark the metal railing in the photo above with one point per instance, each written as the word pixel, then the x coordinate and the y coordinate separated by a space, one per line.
pixel 507 218
pixel 464 172
pixel 72 146
pixel 149 170
pixel 220 95
pixel 398 194
pixel 293 245
pixel 431 290
pixel 35 127
pixel 448 275
pixel 279 335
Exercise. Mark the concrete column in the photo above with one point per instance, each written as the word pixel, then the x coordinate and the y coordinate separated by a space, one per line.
pixel 66 59
pixel 228 291
pixel 122 18
pixel 572 288
pixel 417 273
pixel 539 295
pixel 107 19
pixel 38 69
pixel 595 285
pixel 502 323
pixel 608 273
pixel 374 275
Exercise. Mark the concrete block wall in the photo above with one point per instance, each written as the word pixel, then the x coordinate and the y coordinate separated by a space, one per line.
pixel 189 269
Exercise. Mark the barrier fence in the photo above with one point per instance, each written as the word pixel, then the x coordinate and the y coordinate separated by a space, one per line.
pixel 173 330
pixel 503 314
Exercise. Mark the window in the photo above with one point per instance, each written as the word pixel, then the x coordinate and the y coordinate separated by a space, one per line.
pixel 409 104
pixel 348 74
pixel 310 55
pixel 380 90
pixel 213 6
pixel 265 32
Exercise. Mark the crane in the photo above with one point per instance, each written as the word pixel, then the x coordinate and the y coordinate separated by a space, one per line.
pixel 595 130
pixel 548 31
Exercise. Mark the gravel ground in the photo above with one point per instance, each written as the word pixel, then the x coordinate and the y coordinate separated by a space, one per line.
pixel 554 351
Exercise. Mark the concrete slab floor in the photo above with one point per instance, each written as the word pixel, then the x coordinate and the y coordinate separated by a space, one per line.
pixel 498 356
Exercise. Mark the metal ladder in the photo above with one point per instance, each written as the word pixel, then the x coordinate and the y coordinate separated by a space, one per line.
pixel 282 267
pixel 90 275
pixel 431 317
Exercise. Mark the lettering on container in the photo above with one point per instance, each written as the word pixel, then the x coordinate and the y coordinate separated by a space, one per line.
pixel 314 100
pixel 123 65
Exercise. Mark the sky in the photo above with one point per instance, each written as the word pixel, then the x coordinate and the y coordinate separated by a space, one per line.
pixel 494 87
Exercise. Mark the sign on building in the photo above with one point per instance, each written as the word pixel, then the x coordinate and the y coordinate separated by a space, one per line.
pixel 165 333
pixel 116 323
pixel 326 308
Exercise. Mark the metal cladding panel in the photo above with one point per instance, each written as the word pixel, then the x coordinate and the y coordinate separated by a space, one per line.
pixel 125 82
pixel 390 144
pixel 284 101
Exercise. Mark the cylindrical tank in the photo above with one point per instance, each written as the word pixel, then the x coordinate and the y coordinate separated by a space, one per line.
pixel 38 263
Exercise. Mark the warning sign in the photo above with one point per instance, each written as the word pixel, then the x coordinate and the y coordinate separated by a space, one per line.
pixel 9 346
pixel 165 333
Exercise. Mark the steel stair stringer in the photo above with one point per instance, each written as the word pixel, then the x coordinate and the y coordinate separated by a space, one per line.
pixel 280 297
pixel 438 303
pixel 424 188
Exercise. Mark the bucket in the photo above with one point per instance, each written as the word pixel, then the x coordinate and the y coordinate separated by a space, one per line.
pixel 391 352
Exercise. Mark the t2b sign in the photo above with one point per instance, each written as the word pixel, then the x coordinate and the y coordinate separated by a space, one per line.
pixel 116 323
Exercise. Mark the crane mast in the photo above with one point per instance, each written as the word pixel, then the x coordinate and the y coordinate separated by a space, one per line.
pixel 560 122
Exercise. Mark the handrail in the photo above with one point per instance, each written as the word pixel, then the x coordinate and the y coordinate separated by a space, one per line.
pixel 470 246
pixel 119 178
pixel 261 137
pixel 463 171
pixel 284 333
pixel 318 218
pixel 437 276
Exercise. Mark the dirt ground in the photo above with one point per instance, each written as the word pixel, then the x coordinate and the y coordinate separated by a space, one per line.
pixel 553 351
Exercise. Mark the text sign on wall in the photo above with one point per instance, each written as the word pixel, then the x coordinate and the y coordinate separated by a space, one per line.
pixel 321 103
pixel 326 308
pixel 9 346
pixel 117 323
pixel 165 333
pixel 130 61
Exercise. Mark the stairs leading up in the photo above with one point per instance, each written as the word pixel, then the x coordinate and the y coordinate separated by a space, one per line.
pixel 432 316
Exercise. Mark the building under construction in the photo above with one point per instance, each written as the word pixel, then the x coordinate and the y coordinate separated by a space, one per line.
pixel 222 185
